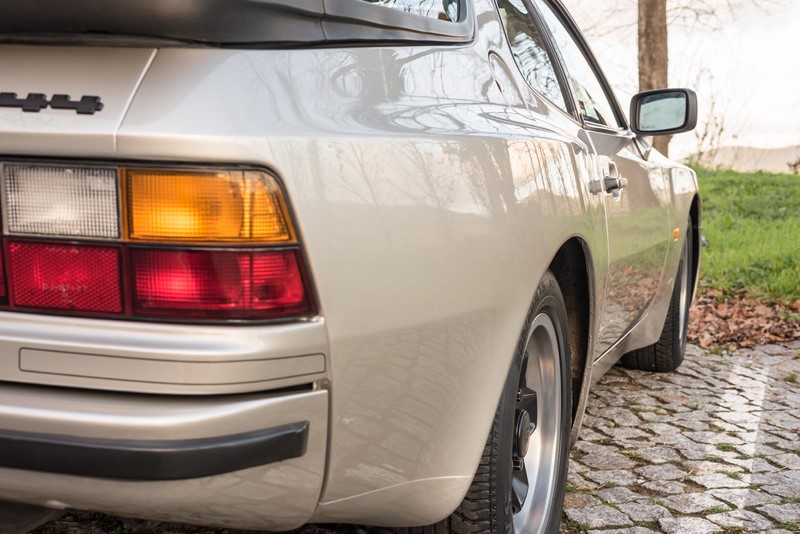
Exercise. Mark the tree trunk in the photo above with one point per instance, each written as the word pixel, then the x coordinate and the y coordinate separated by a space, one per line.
pixel 653 53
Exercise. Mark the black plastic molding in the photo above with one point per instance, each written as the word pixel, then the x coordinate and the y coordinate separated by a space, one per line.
pixel 151 460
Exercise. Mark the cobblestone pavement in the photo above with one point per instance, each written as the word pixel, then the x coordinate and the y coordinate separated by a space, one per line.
pixel 713 447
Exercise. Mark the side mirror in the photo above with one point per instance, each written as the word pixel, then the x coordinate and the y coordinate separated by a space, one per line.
pixel 664 112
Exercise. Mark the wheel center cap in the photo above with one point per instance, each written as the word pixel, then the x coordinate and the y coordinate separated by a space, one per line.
pixel 524 429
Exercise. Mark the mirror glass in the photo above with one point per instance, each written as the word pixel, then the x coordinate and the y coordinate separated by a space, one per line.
pixel 662 111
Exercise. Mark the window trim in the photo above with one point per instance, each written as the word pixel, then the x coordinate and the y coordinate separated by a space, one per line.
pixel 249 25
pixel 569 101
pixel 340 17
pixel 569 24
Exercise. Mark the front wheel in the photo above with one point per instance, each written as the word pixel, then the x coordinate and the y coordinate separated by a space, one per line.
pixel 667 353
pixel 521 479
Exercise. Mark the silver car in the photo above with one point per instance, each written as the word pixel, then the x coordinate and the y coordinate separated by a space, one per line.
pixel 270 263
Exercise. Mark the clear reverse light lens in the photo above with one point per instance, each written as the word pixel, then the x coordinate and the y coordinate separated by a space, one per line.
pixel 61 201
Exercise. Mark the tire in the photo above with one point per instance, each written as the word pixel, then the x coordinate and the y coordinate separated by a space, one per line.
pixel 541 364
pixel 666 354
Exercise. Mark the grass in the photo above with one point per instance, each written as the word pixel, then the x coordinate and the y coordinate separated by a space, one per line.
pixel 752 224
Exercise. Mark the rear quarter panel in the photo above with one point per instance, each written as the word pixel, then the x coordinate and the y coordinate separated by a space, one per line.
pixel 428 207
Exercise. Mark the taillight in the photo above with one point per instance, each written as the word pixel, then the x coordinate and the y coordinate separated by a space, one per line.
pixel 3 293
pixel 218 284
pixel 151 243
pixel 65 277
pixel 228 207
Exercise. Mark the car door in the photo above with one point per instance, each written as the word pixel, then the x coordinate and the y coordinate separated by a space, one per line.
pixel 635 192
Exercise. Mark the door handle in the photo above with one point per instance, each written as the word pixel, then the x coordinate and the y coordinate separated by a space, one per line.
pixel 614 184
pixel 608 185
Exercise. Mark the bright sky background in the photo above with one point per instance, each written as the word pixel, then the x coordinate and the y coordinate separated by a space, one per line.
pixel 749 66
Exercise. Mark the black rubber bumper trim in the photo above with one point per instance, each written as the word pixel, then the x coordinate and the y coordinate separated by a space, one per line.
pixel 151 460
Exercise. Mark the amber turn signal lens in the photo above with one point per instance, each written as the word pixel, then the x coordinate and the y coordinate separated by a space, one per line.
pixel 222 207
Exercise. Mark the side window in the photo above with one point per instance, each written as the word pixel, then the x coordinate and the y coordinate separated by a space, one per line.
pixel 528 47
pixel 435 9
pixel 592 100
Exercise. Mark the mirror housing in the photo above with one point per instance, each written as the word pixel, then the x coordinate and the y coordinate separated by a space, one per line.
pixel 664 112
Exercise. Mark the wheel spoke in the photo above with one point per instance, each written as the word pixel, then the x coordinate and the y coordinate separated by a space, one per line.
pixel 519 487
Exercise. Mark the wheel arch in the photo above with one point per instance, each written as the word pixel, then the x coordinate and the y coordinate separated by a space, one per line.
pixel 572 267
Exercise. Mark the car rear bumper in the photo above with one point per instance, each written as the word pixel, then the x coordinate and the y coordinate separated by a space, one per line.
pixel 174 359
pixel 246 461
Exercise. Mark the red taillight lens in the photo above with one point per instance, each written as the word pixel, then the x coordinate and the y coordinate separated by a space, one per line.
pixel 218 284
pixel 3 293
pixel 65 277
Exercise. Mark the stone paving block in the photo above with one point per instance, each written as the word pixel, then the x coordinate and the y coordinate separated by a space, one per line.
pixel 757 449
pixel 718 480
pixel 662 429
pixel 697 426
pixel 749 465
pixel 687 525
pixel 784 421
pixel 599 517
pixel 784 444
pixel 575 467
pixel 587 434
pixel 697 452
pixel 713 438
pixel 632 530
pixel 590 447
pixel 624 433
pixel 739 417
pixel 661 472
pixel 666 487
pixel 676 440
pixel 777 350
pixel 618 495
pixel 658 455
pixel 694 503
pixel 730 427
pixel 617 477
pixel 591 421
pixel 579 482
pixel 782 513
pixel 789 460
pixel 707 467
pixel 580 500
pixel 644 513
pixel 776 477
pixel 783 490
pixel 745 519
pixel 622 417
pixel 606 461
pixel 760 465
pixel 744 498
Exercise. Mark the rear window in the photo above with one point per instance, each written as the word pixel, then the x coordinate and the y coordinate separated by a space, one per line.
pixel 434 9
